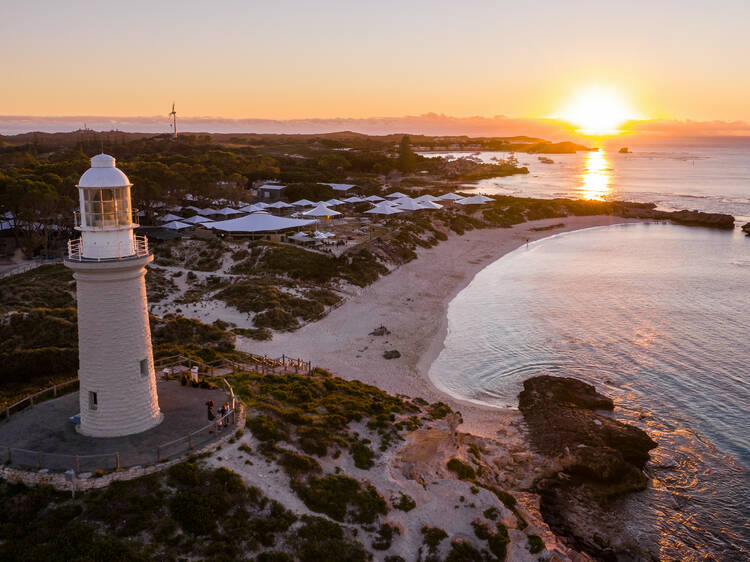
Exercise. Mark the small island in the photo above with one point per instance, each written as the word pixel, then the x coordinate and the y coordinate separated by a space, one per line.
pixel 624 150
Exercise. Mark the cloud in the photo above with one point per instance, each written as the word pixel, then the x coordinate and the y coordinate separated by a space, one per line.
pixel 427 124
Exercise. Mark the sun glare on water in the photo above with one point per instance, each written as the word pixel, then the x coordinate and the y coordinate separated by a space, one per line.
pixel 597 111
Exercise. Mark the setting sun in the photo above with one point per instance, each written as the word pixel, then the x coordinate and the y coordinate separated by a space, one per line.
pixel 597 111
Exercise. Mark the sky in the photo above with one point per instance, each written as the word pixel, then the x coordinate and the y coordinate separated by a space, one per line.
pixel 300 60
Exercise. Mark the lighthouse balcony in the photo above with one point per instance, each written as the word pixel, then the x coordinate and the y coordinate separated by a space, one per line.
pixel 138 248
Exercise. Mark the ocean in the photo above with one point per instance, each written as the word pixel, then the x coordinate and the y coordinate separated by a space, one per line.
pixel 706 174
pixel 657 316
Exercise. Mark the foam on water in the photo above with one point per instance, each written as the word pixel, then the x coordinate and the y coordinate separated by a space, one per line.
pixel 656 316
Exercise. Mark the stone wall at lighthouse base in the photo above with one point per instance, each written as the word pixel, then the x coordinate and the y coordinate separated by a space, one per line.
pixel 118 386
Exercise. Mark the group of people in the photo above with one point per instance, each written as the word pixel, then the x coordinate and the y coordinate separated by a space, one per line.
pixel 223 412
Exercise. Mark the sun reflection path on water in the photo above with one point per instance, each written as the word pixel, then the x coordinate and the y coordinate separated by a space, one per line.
pixel 596 178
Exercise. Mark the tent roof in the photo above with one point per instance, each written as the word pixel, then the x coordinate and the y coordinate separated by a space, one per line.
pixel 300 237
pixel 279 205
pixel 260 221
pixel 344 187
pixel 334 202
pixel 303 203
pixel 169 218
pixel 272 186
pixel 475 200
pixel 407 204
pixel 321 211
pixel 374 198
pixel 197 219
pixel 426 197
pixel 430 205
pixel 353 199
pixel 450 197
pixel 384 209
pixel 176 225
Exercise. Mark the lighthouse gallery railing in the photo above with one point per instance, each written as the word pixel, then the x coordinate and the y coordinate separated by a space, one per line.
pixel 138 249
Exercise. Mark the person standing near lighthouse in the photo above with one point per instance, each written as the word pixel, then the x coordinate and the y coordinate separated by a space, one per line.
pixel 116 368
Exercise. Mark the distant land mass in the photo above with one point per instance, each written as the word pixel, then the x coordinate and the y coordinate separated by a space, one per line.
pixel 426 124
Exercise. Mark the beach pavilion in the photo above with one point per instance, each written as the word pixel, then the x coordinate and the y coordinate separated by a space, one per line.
pixel 260 225
pixel 321 211
pixel 384 209
pixel 475 200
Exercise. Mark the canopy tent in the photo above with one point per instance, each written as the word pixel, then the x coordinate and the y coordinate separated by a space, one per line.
pixel 430 205
pixel 333 202
pixel 251 208
pixel 396 195
pixel 169 218
pixel 341 187
pixel 197 219
pixel 192 208
pixel 354 199
pixel 374 198
pixel 426 197
pixel 475 200
pixel 261 205
pixel 279 205
pixel 384 209
pixel 406 204
pixel 300 237
pixel 303 203
pixel 260 221
pixel 176 225
pixel 450 197
pixel 321 211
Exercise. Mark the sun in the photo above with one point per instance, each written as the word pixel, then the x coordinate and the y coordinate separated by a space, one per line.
pixel 597 111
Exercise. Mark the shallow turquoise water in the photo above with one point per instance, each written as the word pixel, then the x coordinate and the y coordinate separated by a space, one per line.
pixel 655 315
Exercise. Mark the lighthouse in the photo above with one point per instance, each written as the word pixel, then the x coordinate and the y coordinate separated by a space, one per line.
pixel 116 367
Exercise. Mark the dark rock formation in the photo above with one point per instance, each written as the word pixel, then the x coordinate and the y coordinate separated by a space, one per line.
pixel 601 458
pixel 392 354
pixel 689 218
pixel 746 229
pixel 380 331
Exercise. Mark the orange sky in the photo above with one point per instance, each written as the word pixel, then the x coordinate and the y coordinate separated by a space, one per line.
pixel 302 60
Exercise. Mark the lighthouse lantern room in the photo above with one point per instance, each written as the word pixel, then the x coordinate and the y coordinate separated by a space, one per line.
pixel 116 368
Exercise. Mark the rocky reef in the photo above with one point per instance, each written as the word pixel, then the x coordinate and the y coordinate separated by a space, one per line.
pixel 689 218
pixel 601 459
pixel 746 229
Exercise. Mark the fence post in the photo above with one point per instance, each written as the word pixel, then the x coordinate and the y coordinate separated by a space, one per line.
pixel 117 461
pixel 190 441
pixel 78 465
pixel 158 454
pixel 31 400
pixel 54 391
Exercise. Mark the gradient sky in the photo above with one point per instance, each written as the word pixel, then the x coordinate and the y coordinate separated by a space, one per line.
pixel 294 59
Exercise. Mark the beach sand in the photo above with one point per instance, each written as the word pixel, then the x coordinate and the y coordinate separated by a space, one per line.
pixel 412 303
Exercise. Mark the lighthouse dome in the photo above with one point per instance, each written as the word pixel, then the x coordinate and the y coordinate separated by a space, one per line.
pixel 103 173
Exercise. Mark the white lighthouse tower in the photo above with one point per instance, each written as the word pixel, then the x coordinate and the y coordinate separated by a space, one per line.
pixel 116 366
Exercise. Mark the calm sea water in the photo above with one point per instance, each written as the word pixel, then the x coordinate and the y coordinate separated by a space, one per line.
pixel 708 174
pixel 656 316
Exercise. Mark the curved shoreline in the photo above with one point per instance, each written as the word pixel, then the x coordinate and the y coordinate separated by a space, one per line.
pixel 412 303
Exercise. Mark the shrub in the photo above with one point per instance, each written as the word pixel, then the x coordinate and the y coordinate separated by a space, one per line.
pixel 362 455
pixel 536 544
pixel 295 464
pixel 341 497
pixel 405 503
pixel 462 470
pixel 385 536
pixel 265 429
pixel 481 529
pixel 462 551
pixel 433 536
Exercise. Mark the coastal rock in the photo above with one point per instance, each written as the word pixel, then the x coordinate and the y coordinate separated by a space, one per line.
pixel 380 331
pixel 685 217
pixel 391 354
pixel 601 458
pixel 746 229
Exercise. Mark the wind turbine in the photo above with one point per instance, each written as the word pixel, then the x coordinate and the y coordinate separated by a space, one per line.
pixel 173 116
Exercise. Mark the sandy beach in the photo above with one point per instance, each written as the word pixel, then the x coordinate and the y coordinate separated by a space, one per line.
pixel 412 304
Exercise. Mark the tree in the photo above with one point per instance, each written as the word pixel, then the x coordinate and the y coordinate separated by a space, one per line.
pixel 407 160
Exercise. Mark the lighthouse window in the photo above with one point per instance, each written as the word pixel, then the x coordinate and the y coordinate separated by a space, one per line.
pixel 144 367
pixel 93 401
pixel 107 207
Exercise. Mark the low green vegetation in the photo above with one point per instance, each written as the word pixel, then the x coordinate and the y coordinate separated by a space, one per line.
pixel 342 498
pixel 186 512
pixel 48 286
pixel 462 470
pixel 536 544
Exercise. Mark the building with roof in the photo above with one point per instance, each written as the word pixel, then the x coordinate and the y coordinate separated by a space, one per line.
pixel 260 225
pixel 270 192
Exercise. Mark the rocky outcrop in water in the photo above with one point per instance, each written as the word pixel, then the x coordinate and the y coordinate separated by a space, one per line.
pixel 601 459
pixel 746 229
pixel 689 218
